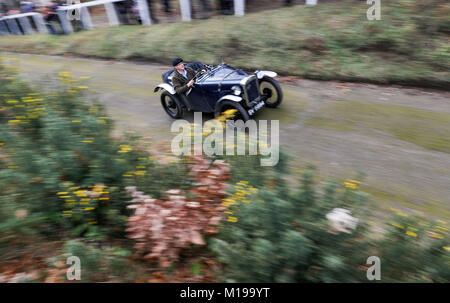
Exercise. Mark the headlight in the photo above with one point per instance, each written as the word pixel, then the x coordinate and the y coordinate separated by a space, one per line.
pixel 237 90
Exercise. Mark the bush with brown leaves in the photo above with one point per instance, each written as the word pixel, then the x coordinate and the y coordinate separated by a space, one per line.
pixel 164 227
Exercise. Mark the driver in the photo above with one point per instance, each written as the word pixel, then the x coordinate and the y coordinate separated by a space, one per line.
pixel 183 77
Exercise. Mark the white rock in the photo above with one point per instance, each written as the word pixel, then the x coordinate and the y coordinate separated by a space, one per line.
pixel 340 220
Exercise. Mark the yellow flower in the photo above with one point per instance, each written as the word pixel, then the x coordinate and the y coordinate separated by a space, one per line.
pixel 230 111
pixel 435 235
pixel 232 219
pixel 441 228
pixel 98 188
pixel 80 193
pixel 65 74
pixel 350 185
pixel 398 225
pixel 410 233
pixel 125 149
pixel 447 248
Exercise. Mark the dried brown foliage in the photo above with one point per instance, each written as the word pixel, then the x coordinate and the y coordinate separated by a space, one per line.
pixel 162 228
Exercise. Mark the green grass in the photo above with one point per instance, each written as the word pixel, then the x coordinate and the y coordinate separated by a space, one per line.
pixel 329 124
pixel 328 41
pixel 425 128
pixel 387 201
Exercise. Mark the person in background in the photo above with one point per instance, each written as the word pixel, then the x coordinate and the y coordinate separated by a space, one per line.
pixel 124 7
pixel 152 11
pixel 50 16
pixel 166 5
pixel 226 7
pixel 26 7
pixel 204 9
pixel 3 9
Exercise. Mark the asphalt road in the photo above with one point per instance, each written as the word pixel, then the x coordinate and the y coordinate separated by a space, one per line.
pixel 400 174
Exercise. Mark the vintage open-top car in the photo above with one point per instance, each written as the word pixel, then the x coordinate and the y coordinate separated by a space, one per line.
pixel 220 88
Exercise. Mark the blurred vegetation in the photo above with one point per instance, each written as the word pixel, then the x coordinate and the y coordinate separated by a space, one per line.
pixel 281 235
pixel 63 179
pixel 62 174
pixel 409 45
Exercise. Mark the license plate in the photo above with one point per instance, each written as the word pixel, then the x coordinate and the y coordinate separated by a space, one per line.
pixel 257 107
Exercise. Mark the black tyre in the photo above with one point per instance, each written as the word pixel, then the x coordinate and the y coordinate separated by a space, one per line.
pixel 271 89
pixel 172 105
pixel 241 113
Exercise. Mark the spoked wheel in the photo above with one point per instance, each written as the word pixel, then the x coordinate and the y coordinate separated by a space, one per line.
pixel 171 105
pixel 239 114
pixel 271 90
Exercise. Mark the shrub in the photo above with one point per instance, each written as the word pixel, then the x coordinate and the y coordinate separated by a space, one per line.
pixel 96 263
pixel 320 236
pixel 163 227
pixel 62 169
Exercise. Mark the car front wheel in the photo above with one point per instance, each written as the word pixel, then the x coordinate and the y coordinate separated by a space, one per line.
pixel 240 114
pixel 271 91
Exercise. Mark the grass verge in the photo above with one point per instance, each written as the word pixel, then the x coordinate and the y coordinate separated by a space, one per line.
pixel 330 41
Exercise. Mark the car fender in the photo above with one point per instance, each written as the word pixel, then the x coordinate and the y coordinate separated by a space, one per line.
pixel 233 98
pixel 165 86
pixel 261 73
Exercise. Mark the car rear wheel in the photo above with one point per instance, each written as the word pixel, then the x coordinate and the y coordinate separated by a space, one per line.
pixel 240 114
pixel 271 90
pixel 171 105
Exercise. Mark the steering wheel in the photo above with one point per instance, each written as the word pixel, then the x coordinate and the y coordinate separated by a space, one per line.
pixel 199 73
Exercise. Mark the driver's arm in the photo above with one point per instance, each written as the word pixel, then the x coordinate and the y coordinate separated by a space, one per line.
pixel 179 87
